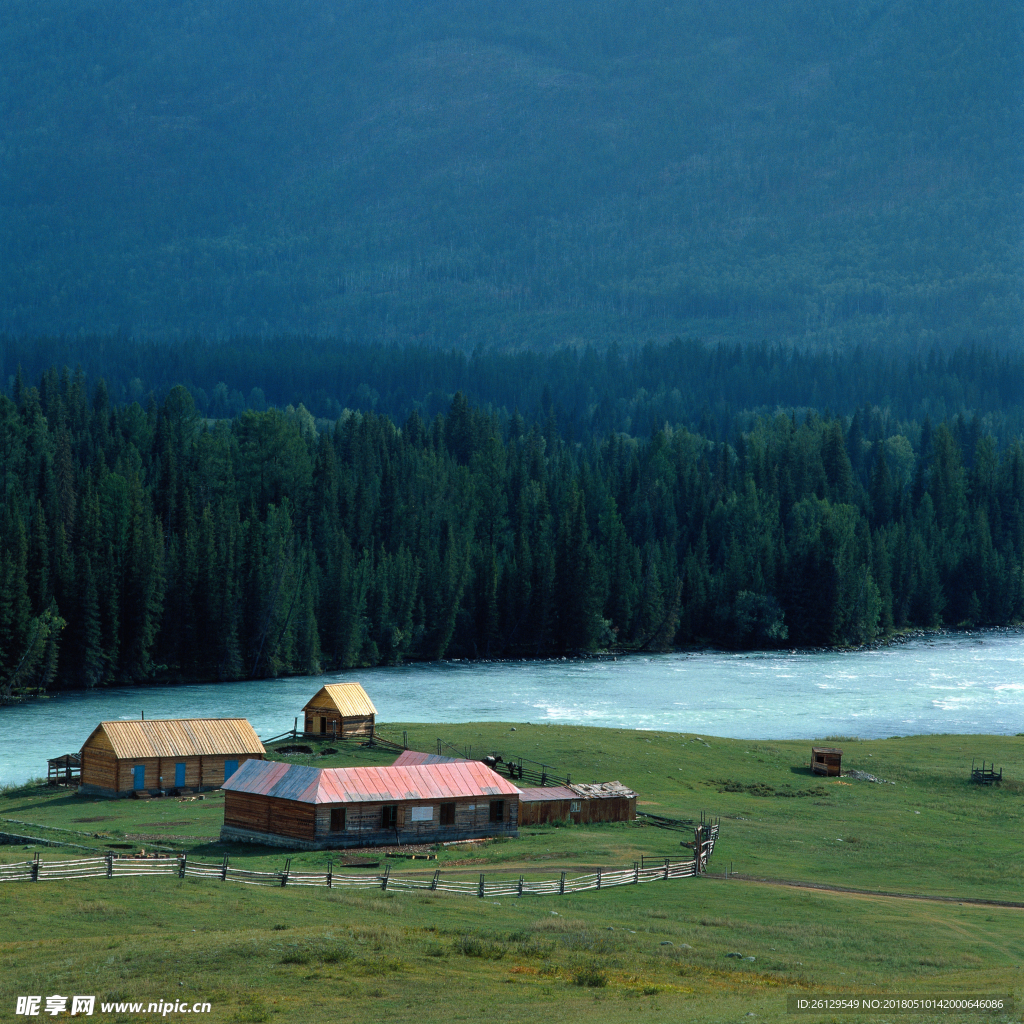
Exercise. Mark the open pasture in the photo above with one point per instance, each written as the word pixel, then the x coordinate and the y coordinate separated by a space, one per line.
pixel 657 951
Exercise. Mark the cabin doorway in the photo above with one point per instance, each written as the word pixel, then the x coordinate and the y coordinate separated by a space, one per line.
pixel 139 776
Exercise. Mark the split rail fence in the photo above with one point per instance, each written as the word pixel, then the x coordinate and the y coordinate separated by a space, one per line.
pixel 111 866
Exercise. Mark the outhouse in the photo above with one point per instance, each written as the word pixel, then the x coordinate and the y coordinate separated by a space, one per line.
pixel 825 761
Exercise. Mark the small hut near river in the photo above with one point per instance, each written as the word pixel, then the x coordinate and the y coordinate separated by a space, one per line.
pixel 339 710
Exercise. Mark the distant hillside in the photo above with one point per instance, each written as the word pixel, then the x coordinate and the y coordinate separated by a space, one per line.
pixel 830 172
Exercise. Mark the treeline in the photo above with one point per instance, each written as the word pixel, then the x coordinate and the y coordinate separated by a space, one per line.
pixel 712 389
pixel 149 543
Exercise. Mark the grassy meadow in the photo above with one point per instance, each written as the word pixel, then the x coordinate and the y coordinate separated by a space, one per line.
pixel 653 952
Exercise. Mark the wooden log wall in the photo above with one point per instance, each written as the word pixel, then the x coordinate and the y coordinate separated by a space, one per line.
pixel 291 819
pixel 102 769
pixel 258 813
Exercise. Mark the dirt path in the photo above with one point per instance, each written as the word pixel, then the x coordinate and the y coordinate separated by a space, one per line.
pixel 846 890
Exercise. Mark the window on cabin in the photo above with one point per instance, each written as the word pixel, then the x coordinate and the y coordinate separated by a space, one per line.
pixel 497 810
pixel 338 819
pixel 389 816
pixel 447 814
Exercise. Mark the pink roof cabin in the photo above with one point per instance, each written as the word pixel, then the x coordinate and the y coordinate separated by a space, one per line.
pixel 318 808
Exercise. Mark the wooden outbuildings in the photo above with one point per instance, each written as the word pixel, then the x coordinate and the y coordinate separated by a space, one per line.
pixel 580 804
pixel 826 761
pixel 162 755
pixel 317 808
pixel 339 710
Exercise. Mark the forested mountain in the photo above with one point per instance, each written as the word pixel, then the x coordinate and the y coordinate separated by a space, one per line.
pixel 140 544
pixel 712 389
pixel 821 172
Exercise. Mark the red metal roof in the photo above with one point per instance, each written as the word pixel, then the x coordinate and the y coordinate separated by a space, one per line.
pixel 547 793
pixel 369 785
pixel 407 757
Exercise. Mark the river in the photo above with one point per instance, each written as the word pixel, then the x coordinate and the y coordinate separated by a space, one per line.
pixel 946 683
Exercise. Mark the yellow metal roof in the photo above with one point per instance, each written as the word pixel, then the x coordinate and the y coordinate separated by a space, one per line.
pixel 180 737
pixel 346 698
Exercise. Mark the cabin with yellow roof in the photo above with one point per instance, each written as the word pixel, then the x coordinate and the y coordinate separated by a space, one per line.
pixel 173 755
pixel 339 711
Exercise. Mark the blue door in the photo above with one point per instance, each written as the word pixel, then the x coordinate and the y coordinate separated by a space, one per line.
pixel 230 767
pixel 139 772
pixel 179 774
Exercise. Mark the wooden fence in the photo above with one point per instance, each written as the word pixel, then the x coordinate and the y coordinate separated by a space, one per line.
pixel 111 866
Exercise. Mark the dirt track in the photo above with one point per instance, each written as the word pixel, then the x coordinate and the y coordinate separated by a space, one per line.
pixel 790 884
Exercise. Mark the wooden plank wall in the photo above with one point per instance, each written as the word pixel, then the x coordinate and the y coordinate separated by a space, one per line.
pixel 542 812
pixel 99 768
pixel 103 769
pixel 258 813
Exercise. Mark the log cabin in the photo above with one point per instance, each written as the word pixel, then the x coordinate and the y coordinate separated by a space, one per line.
pixel 339 710
pixel 165 755
pixel 582 804
pixel 305 808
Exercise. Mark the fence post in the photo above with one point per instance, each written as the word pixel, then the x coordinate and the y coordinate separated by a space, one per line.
pixel 561 885
pixel 543 777
pixel 438 746
pixel 405 739
pixel 433 881
pixel 224 870
pixel 666 869
pixel 330 874
pixel 287 869
pixel 599 878
pixel 520 885
pixel 110 865
pixel 181 866
pixel 696 850
pixel 480 893
pixel 384 878
pixel 35 867
pixel 636 872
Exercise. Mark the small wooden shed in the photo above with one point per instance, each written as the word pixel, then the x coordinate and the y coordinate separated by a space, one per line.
pixel 317 808
pixel 826 761
pixel 339 710
pixel 578 803
pixel 172 754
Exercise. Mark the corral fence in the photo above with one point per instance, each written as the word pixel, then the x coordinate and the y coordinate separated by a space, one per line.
pixel 111 866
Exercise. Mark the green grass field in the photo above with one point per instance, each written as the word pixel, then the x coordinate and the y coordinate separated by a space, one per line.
pixel 657 951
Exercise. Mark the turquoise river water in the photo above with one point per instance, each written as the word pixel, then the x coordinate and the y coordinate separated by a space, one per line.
pixel 947 683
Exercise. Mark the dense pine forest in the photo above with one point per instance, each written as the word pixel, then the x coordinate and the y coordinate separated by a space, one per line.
pixel 149 542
